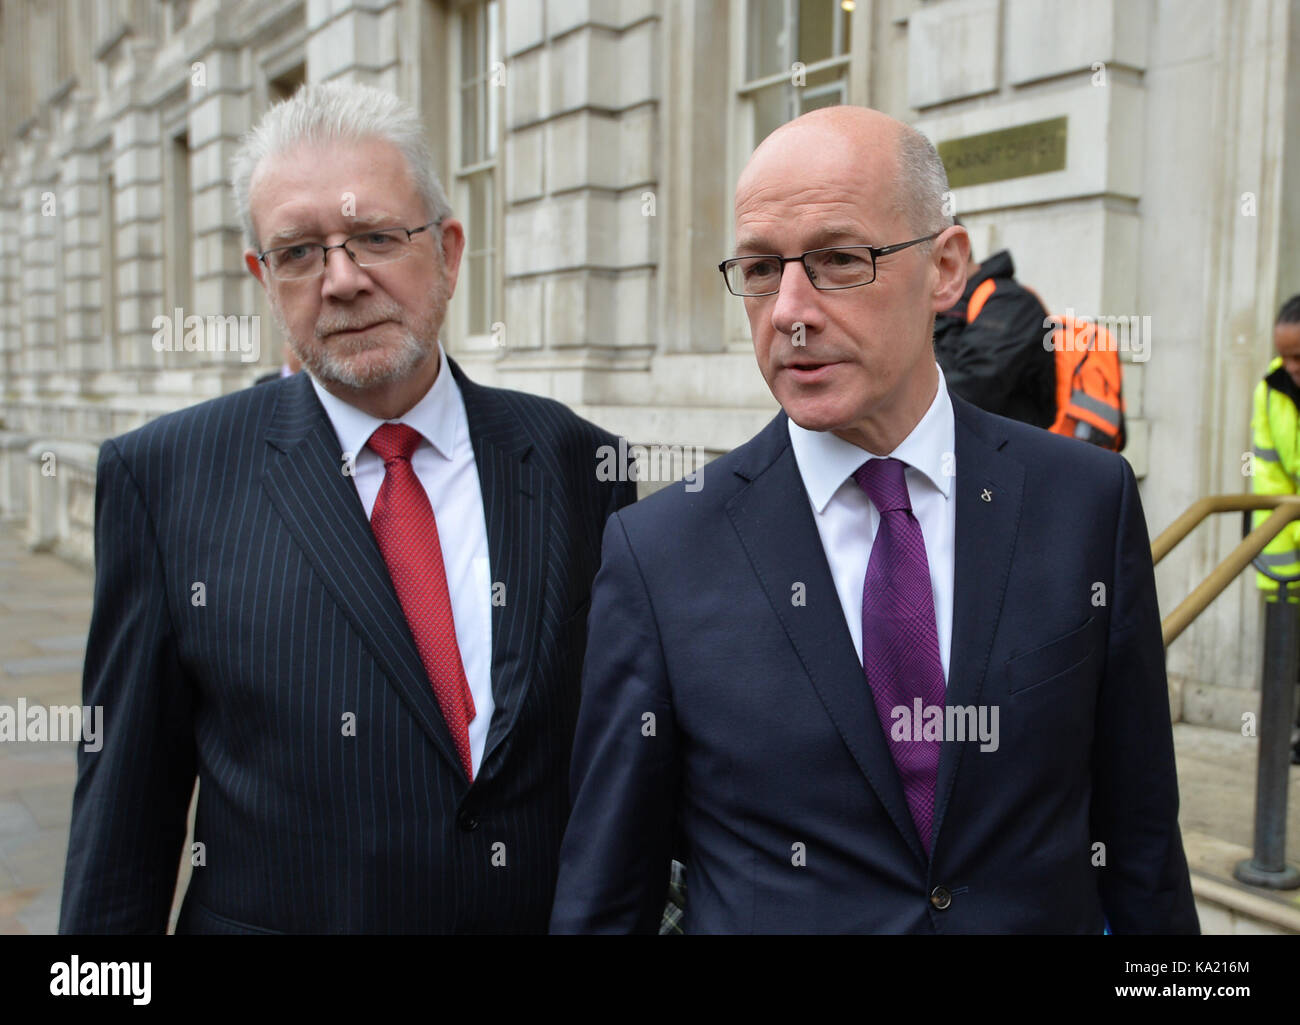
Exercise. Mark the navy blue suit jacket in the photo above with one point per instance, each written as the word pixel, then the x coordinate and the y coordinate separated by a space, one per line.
pixel 720 714
pixel 249 682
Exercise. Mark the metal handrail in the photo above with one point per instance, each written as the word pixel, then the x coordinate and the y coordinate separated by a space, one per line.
pixel 1267 867
pixel 1203 507
pixel 1286 508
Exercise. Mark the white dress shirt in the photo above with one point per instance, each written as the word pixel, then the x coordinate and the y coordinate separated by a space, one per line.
pixel 444 463
pixel 847 521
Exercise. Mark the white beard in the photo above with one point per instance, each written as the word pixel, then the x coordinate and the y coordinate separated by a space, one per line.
pixel 334 362
pixel 330 366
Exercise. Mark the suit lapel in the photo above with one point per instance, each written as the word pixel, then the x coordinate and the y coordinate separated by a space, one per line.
pixel 775 522
pixel 515 510
pixel 989 489
pixel 318 502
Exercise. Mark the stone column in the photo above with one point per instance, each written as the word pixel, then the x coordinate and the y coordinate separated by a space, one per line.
pixel 696 196
pixel 10 274
pixel 137 177
pixel 581 176
pixel 1223 104
pixel 80 219
pixel 220 109
pixel 354 39
pixel 38 189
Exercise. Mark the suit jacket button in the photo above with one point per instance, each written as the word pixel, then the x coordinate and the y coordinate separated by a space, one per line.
pixel 940 897
pixel 467 821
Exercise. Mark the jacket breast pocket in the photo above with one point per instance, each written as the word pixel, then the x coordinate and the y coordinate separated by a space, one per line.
pixel 1053 661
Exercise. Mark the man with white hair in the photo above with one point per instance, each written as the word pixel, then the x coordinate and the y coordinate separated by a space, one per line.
pixel 898 668
pixel 351 602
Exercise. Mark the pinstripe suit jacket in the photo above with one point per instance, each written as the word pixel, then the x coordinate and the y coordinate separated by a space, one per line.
pixel 243 613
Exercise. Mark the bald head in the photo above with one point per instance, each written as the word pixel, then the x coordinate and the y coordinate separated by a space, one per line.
pixel 860 128
pixel 841 233
pixel 897 167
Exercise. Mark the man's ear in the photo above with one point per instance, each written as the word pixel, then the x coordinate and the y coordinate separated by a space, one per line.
pixel 951 254
pixel 254 266
pixel 452 241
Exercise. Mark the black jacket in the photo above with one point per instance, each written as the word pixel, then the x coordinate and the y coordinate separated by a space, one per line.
pixel 712 702
pixel 998 361
pixel 309 827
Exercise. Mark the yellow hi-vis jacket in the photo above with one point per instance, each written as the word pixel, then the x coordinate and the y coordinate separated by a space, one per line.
pixel 1275 428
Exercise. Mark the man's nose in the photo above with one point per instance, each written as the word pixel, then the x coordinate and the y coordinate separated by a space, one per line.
pixel 798 302
pixel 342 278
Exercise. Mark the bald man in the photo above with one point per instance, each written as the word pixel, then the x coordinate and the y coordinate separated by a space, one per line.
pixel 866 680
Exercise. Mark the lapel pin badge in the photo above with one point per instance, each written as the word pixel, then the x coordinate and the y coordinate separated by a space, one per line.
pixel 987 495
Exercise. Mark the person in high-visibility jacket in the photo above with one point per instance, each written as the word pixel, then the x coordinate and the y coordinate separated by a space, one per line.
pixel 1275 428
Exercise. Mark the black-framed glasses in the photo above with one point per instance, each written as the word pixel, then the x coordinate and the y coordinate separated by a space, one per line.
pixel 828 269
pixel 367 249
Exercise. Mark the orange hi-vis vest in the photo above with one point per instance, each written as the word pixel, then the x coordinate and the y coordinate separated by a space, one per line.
pixel 1089 379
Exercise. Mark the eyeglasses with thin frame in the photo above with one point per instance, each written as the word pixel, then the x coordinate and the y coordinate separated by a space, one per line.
pixel 372 248
pixel 828 269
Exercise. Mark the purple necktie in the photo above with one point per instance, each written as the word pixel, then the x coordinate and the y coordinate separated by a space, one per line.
pixel 900 642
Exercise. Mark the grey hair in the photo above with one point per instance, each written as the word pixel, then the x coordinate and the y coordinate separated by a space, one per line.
pixel 921 185
pixel 335 112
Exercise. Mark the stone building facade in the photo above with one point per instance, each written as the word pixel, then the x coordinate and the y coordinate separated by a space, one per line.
pixel 590 147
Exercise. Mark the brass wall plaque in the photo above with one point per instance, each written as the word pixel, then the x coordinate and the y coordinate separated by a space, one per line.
pixel 1007 153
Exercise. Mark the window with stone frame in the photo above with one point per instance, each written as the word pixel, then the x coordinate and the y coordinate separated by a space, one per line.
pixel 282 86
pixel 796 59
pixel 478 96
pixel 178 230
pixel 787 57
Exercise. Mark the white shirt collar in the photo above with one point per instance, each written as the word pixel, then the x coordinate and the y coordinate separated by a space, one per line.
pixel 826 461
pixel 437 416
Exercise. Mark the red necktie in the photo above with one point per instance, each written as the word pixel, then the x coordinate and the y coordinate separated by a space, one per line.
pixel 407 533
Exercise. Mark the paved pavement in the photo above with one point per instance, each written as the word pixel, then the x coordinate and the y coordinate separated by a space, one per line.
pixel 45 612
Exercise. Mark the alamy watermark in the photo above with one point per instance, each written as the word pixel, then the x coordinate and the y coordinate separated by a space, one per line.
pixel 949 723
pixel 75 978
pixel 53 723
pixel 1126 334
pixel 659 463
pixel 179 333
